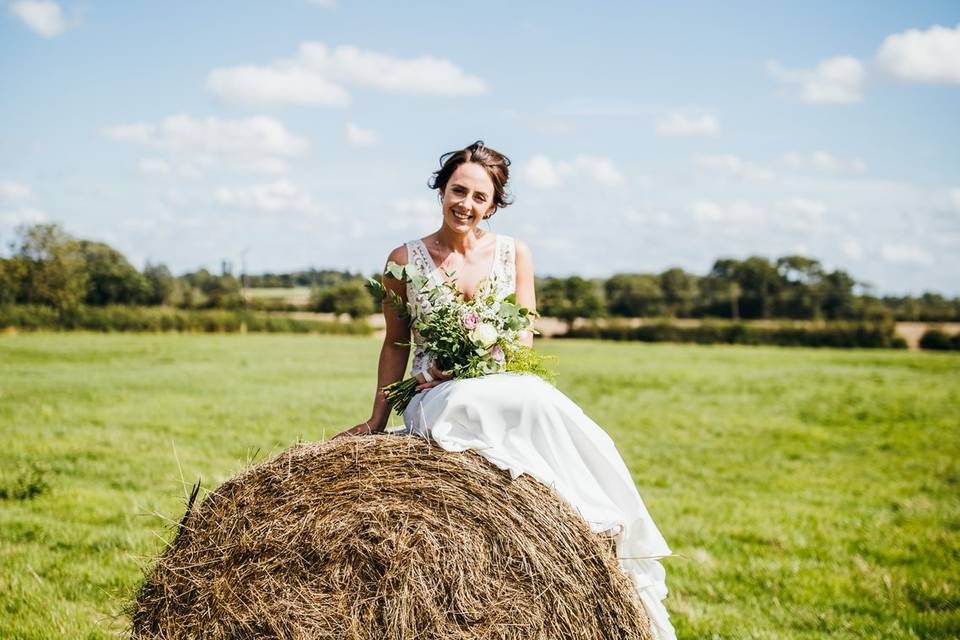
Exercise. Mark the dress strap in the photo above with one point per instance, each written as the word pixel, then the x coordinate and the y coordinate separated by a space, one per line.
pixel 506 260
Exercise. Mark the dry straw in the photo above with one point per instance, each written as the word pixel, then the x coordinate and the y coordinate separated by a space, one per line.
pixel 385 537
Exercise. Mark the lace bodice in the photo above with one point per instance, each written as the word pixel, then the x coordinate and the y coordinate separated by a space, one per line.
pixel 503 274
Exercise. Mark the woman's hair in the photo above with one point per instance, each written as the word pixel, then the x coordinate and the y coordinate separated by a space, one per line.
pixel 495 163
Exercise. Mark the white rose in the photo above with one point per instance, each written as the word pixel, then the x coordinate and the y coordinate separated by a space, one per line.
pixel 485 335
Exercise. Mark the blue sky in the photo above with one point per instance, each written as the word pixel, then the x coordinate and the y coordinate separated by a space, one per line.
pixel 642 136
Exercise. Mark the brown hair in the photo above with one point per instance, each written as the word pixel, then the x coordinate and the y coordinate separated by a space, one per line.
pixel 495 163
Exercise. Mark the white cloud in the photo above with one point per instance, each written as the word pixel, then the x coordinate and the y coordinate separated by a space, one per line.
pixel 730 165
pixel 420 214
pixel 544 173
pixel 318 76
pixel 326 4
pixel 905 254
pixel 15 205
pixel 922 56
pixel 41 16
pixel 823 161
pixel 541 172
pixel 273 197
pixel 194 146
pixel 955 199
pixel 851 248
pixel 14 191
pixel 837 80
pixel 361 137
pixel 681 124
pixel 22 215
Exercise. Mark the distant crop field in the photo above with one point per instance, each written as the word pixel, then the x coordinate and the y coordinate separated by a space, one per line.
pixel 807 493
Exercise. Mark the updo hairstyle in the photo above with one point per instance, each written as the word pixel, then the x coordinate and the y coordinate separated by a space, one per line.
pixel 495 163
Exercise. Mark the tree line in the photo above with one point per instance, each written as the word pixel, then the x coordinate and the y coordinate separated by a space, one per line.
pixel 47 266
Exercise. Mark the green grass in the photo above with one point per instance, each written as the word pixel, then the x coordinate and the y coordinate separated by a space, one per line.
pixel 808 493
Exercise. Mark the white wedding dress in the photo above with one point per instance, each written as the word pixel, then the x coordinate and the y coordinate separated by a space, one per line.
pixel 522 424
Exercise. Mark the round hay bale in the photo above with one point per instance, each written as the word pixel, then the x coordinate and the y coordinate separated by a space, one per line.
pixel 385 537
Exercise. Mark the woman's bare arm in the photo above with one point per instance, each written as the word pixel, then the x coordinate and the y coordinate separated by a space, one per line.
pixel 526 296
pixel 393 354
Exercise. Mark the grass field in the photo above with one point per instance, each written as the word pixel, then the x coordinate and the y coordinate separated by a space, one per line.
pixel 810 493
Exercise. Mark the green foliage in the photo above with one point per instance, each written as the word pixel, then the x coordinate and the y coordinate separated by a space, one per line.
pixel 570 298
pixel 937 340
pixel 350 297
pixel 635 295
pixel 836 334
pixel 118 318
pixel 110 278
pixel 54 268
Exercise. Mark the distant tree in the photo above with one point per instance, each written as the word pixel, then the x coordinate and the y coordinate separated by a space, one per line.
pixel 680 291
pixel 634 295
pixel 838 298
pixel 570 298
pixel 803 286
pixel 351 297
pixel 110 278
pixel 722 290
pixel 13 280
pixel 761 284
pixel 55 267
pixel 160 284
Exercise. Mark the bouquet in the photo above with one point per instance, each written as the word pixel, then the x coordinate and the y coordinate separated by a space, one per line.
pixel 467 338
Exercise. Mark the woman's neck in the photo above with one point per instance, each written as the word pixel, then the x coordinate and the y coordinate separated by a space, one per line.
pixel 461 243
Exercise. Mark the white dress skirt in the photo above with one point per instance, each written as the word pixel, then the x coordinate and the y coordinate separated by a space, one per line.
pixel 525 425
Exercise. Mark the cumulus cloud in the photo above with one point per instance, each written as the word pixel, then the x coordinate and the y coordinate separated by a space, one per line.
pixel 837 80
pixel 273 197
pixel 955 199
pixel 361 137
pixel 823 161
pixel 197 146
pixel 684 124
pixel 732 166
pixel 16 205
pixel 544 173
pixel 905 254
pixel 319 75
pixel 43 17
pixel 931 56
pixel 851 248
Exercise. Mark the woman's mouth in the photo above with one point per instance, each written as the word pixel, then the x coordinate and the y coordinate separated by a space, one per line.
pixel 463 217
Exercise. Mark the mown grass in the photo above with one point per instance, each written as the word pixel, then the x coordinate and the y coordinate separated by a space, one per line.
pixel 807 493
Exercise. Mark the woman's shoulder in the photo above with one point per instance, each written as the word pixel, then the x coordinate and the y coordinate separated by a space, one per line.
pixel 521 248
pixel 400 254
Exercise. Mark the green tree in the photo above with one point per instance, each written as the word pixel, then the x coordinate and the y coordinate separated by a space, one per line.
pixel 351 297
pixel 55 267
pixel 570 298
pixel 680 291
pixel 160 284
pixel 111 279
pixel 634 295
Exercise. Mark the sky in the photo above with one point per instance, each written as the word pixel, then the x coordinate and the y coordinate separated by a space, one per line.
pixel 288 134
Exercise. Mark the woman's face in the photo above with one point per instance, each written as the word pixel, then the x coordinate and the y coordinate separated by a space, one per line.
pixel 467 198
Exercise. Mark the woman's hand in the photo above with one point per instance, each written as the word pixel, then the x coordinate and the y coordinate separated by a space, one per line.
pixel 439 377
pixel 362 429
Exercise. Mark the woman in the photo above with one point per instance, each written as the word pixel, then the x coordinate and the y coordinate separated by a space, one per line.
pixel 518 422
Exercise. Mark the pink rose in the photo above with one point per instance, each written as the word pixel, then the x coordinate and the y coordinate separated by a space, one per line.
pixel 496 352
pixel 470 319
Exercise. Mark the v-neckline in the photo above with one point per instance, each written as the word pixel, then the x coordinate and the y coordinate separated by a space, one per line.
pixel 439 272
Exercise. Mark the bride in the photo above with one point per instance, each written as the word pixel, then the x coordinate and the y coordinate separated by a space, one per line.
pixel 518 422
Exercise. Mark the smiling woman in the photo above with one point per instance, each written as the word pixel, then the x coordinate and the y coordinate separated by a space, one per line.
pixel 519 422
